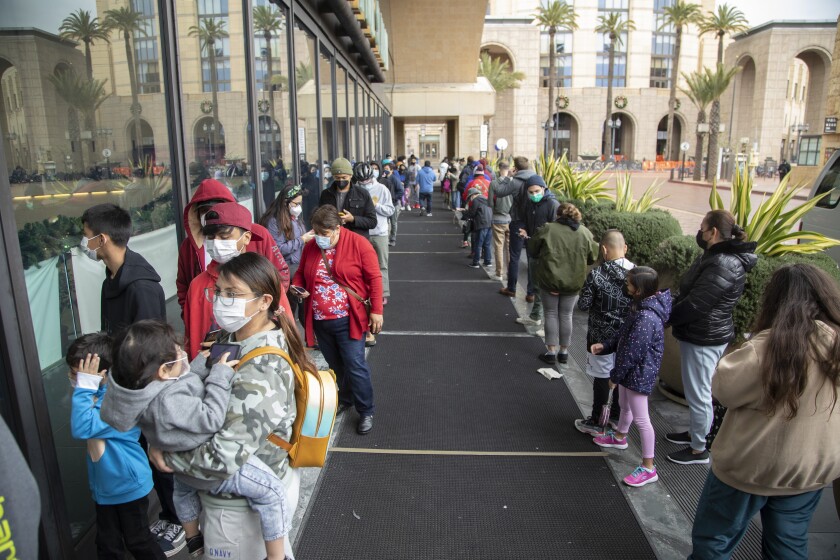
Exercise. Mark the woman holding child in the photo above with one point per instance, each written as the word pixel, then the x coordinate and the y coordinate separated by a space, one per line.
pixel 262 400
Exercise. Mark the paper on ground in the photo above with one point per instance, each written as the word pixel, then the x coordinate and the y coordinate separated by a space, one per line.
pixel 550 373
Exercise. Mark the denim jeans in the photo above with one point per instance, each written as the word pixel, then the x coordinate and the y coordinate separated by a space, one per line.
pixel 426 200
pixel 516 245
pixel 255 482
pixel 482 244
pixel 723 514
pixel 697 365
pixel 346 357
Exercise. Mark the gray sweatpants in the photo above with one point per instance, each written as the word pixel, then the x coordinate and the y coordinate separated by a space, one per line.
pixel 558 318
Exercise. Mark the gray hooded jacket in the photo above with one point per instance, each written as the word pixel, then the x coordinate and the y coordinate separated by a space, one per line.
pixel 176 415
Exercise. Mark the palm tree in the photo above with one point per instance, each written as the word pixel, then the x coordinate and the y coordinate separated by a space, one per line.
pixel 208 32
pixel 727 21
pixel 498 73
pixel 699 92
pixel 129 22
pixel 82 96
pixel 80 26
pixel 553 16
pixel 612 25
pixel 303 73
pixel 268 21
pixel 678 15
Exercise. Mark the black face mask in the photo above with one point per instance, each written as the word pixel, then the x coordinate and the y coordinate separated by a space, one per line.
pixel 702 243
pixel 341 185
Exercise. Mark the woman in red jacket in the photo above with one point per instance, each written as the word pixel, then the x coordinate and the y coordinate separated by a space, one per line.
pixel 340 271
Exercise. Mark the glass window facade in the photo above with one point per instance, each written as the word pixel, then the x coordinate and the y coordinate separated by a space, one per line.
pixel 563 43
pixel 663 43
pixel 809 150
pixel 74 136
pixel 605 7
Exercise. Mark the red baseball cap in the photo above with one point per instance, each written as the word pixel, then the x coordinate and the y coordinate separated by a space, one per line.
pixel 231 214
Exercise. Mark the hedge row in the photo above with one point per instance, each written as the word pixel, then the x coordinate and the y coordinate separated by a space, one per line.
pixel 675 255
pixel 642 231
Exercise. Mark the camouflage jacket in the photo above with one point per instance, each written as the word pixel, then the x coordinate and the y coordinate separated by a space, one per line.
pixel 262 401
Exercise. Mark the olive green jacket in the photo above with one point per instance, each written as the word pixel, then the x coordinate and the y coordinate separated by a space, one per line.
pixel 563 255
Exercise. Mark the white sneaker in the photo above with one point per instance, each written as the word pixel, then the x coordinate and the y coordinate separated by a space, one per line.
pixel 540 333
pixel 527 321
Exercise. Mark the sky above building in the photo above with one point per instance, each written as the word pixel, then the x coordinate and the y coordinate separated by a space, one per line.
pixel 47 14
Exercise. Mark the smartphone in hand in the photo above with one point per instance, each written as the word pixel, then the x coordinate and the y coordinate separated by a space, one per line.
pixel 211 336
pixel 219 349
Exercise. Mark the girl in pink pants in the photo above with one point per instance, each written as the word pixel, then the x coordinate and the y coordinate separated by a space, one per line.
pixel 638 351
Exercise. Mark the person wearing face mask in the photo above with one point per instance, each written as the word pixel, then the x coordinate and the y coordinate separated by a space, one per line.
pixel 262 403
pixel 702 322
pixel 340 280
pixel 364 176
pixel 180 406
pixel 539 209
pixel 353 202
pixel 227 232
pixel 284 222
pixel 193 256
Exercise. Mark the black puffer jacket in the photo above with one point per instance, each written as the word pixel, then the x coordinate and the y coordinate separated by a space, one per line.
pixel 702 313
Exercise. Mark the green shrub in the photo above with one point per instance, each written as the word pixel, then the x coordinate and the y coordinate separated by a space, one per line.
pixel 749 304
pixel 675 255
pixel 673 258
pixel 643 232
pixel 590 207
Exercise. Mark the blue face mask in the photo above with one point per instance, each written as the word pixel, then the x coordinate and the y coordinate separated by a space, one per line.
pixel 323 241
pixel 264 176
pixel 536 197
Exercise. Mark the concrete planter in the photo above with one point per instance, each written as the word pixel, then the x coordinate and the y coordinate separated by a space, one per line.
pixel 670 374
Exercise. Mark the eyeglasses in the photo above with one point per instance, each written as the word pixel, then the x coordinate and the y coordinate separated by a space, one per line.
pixel 227 299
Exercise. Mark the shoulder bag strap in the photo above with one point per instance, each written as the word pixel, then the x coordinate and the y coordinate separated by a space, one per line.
pixel 262 351
pixel 345 288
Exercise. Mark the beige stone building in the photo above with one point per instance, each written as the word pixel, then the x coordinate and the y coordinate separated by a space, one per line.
pixel 641 77
pixel 777 107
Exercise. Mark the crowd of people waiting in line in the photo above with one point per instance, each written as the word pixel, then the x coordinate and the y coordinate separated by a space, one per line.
pixel 205 420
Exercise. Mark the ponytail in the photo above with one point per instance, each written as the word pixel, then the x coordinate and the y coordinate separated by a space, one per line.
pixel 297 350
pixel 725 223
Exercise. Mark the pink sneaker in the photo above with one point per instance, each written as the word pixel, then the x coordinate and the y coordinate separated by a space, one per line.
pixel 641 476
pixel 609 440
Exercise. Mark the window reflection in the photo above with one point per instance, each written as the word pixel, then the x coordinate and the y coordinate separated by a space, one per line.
pixel 272 85
pixel 341 115
pixel 313 172
pixel 327 124
pixel 83 122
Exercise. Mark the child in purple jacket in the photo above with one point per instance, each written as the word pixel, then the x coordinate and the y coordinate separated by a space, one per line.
pixel 638 355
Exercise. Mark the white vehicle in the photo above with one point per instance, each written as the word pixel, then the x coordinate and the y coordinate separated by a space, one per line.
pixel 825 217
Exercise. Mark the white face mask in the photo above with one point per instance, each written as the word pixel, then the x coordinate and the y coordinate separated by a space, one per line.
pixel 376 174
pixel 185 367
pixel 223 250
pixel 232 317
pixel 295 210
pixel 91 253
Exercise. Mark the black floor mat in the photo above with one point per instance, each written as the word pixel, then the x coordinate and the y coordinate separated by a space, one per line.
pixel 477 393
pixel 371 507
pixel 449 307
pixel 429 243
pixel 432 266
pixel 415 224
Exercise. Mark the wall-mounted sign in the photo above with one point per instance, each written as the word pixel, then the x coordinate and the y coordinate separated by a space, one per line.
pixel 830 125
pixel 302 142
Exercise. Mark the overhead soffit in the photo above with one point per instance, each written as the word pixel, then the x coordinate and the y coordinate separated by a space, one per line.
pixel 434 41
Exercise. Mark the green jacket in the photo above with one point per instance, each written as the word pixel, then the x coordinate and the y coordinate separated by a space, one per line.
pixel 563 255
pixel 262 401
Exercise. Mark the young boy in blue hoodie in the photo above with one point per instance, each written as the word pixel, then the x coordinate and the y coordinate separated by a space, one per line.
pixel 118 470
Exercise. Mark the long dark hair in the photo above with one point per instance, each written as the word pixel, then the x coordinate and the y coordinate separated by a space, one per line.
pixel 279 210
pixel 796 297
pixel 262 277
pixel 645 280
pixel 139 350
